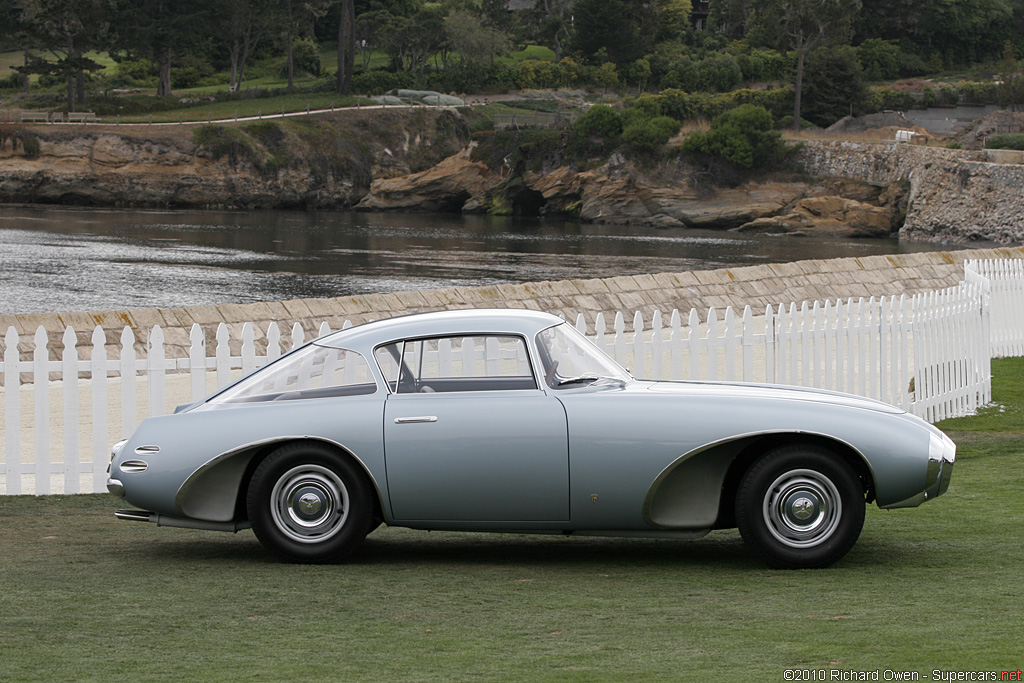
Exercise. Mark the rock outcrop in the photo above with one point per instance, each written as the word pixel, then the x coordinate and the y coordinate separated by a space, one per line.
pixel 445 187
pixel 418 160
pixel 618 193
pixel 954 195
pixel 601 196
pixel 321 161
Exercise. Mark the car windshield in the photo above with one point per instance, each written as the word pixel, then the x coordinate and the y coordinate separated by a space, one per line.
pixel 570 359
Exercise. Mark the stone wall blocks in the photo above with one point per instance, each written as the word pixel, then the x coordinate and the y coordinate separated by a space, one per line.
pixel 206 315
pixel 590 286
pixel 647 282
pixel 297 308
pixel 756 286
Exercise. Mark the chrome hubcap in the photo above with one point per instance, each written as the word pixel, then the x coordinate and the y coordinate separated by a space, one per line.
pixel 802 508
pixel 309 504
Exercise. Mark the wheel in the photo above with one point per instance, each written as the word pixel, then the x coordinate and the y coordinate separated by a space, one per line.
pixel 800 507
pixel 308 503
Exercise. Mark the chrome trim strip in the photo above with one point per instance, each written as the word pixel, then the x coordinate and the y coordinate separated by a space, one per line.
pixel 414 420
pixel 133 466
pixel 181 522
pixel 133 515
pixel 147 450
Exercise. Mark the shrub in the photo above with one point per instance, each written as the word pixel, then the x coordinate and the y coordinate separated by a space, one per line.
pixel 535 73
pixel 643 108
pixel 191 71
pixel 14 81
pixel 833 86
pixel 879 58
pixel 29 143
pixel 651 134
pixel 600 121
pixel 306 56
pixel 377 82
pixel 742 136
pixel 880 99
pixel 221 141
pixel 979 93
pixel 138 72
pixel 764 65
pixel 718 73
pixel 677 104
pixel 1006 141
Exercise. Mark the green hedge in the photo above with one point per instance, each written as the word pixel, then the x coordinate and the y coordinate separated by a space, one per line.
pixel 1007 141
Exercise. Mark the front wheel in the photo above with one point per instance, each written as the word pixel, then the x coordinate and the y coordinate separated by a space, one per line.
pixel 800 507
pixel 308 503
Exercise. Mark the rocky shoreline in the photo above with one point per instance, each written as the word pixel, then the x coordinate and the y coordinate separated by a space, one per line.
pixel 423 160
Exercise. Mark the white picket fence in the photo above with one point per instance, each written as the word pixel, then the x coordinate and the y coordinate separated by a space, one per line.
pixel 1002 281
pixel 928 354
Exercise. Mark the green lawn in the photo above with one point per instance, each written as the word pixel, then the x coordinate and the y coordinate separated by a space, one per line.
pixel 249 107
pixel 86 597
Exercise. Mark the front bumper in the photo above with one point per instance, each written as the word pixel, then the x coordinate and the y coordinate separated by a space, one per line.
pixel 941 456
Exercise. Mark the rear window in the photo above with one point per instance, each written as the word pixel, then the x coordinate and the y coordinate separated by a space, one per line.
pixel 311 372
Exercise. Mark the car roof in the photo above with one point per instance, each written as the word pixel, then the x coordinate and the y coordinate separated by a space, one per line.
pixel 442 323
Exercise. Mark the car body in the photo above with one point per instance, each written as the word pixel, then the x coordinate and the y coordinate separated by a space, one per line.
pixel 506 420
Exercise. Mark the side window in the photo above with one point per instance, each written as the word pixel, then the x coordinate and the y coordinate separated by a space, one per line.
pixel 313 372
pixel 463 363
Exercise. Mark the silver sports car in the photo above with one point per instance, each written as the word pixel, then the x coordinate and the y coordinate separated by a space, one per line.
pixel 501 420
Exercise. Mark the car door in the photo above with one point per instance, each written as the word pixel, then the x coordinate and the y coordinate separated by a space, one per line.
pixel 469 437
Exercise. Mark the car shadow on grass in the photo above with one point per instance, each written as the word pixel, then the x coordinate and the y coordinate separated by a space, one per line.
pixel 398 547
pixel 407 547
pixel 390 546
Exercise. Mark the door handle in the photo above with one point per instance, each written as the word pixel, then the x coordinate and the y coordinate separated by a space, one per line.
pixel 413 420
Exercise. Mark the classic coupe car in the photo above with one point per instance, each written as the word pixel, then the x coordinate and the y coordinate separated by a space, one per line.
pixel 501 420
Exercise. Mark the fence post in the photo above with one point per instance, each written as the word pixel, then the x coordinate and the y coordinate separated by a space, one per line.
pixel 747 330
pixel 730 344
pixel 128 368
pixel 656 340
pixel 40 387
pixel 639 347
pixel 100 411
pixel 599 333
pixel 695 343
pixel 675 347
pixel 197 361
pixel 222 356
pixel 69 387
pixel 620 340
pixel 156 366
pixel 273 342
pixel 12 412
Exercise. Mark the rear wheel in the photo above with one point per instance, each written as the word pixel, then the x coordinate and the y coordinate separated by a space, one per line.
pixel 800 507
pixel 309 503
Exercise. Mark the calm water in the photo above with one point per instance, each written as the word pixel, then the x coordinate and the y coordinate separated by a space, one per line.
pixel 60 259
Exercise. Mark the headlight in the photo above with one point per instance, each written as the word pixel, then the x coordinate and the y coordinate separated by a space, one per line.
pixel 941 448
pixel 116 448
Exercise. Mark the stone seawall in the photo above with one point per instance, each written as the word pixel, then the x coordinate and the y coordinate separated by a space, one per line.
pixel 754 286
pixel 955 195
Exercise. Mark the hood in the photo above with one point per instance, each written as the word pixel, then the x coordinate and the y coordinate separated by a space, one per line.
pixel 774 392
